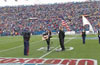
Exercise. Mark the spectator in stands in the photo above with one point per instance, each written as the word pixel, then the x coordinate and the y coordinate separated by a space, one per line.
pixel 48 16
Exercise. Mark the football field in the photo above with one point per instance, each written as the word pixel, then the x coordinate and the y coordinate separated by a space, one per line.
pixel 13 47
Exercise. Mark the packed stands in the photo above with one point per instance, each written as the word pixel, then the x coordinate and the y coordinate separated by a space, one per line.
pixel 38 18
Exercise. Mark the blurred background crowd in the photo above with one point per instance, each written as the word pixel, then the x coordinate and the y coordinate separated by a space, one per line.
pixel 38 18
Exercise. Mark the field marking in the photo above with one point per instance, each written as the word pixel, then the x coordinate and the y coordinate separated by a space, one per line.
pixel 20 46
pixel 17 47
pixel 86 63
pixel 65 38
pixel 48 52
pixel 77 62
pixel 54 49
pixel 43 48
pixel 11 48
pixel 61 60
pixel 87 38
pixel 44 60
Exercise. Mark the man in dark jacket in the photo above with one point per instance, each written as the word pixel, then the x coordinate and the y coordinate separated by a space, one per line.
pixel 61 38
pixel 83 36
pixel 99 35
pixel 26 37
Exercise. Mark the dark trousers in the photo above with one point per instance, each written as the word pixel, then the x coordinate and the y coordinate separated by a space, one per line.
pixel 99 40
pixel 83 38
pixel 26 47
pixel 62 44
pixel 48 44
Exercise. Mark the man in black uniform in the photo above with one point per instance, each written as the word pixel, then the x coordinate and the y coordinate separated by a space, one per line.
pixel 61 38
pixel 99 35
pixel 26 37
pixel 83 36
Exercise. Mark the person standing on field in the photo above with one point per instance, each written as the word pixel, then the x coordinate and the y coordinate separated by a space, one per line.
pixel 26 37
pixel 99 36
pixel 61 38
pixel 83 36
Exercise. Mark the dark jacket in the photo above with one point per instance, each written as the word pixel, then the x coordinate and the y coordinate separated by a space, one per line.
pixel 83 34
pixel 61 34
pixel 49 34
pixel 98 33
pixel 26 35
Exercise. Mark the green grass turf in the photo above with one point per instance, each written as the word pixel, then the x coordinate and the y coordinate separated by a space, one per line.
pixel 91 50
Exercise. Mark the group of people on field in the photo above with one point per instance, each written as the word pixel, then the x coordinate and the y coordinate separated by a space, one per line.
pixel 47 35
pixel 84 36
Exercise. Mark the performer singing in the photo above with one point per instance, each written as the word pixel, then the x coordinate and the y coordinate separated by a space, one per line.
pixel 47 37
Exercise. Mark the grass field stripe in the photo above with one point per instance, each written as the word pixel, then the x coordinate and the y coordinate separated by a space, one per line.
pixel 11 48
pixel 65 38
pixel 48 52
pixel 44 42
pixel 30 45
pixel 16 47
pixel 53 49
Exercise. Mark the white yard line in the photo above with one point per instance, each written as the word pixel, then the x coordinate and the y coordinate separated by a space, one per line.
pixel 11 48
pixel 65 38
pixel 17 47
pixel 48 52
pixel 54 49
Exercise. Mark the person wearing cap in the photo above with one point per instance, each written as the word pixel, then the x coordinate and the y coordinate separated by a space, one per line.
pixel 61 38
pixel 83 36
pixel 26 37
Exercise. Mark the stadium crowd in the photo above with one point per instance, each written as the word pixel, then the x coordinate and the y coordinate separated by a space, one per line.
pixel 41 17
